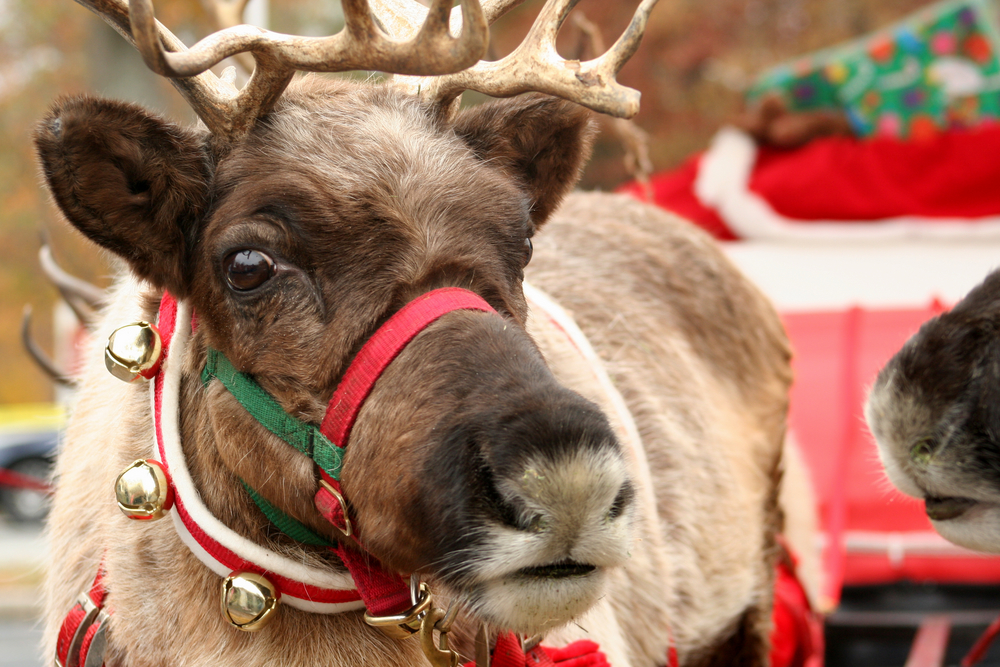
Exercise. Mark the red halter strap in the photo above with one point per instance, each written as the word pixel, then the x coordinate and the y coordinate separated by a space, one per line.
pixel 83 630
pixel 384 593
pixel 384 345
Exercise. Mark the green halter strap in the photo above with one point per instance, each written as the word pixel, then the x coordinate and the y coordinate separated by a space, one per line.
pixel 304 437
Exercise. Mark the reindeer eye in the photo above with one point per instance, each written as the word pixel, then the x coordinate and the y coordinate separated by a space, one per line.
pixel 247 269
pixel 528 250
pixel 922 453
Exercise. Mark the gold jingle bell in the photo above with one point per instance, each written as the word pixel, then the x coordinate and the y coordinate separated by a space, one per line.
pixel 143 490
pixel 133 352
pixel 249 601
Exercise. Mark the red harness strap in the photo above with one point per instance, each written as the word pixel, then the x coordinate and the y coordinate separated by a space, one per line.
pixel 384 345
pixel 81 641
pixel 384 593
pixel 797 630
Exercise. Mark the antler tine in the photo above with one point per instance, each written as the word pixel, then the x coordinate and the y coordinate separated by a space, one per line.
pixel 536 66
pixel 225 14
pixel 210 98
pixel 628 43
pixel 402 18
pixel 39 357
pixel 70 286
pixel 360 45
pixel 84 299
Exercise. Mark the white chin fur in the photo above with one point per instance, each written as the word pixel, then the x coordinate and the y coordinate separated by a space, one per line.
pixel 572 499
pixel 977 529
pixel 531 605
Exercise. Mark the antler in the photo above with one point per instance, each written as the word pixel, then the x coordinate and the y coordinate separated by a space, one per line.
pixel 362 44
pixel 534 65
pixel 225 14
pixel 47 365
pixel 84 299
pixel 634 140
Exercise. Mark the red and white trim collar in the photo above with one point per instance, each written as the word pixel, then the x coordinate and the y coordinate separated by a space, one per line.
pixel 220 548
pixel 224 551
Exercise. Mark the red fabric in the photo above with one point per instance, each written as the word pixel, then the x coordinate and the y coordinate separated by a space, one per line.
pixel 953 174
pixel 797 636
pixel 674 191
pixel 583 653
pixel 67 631
pixel 384 593
pixel 384 345
pixel 87 641
pixel 950 175
pixel 97 591
pixel 76 616
pixel 166 321
pixel 508 653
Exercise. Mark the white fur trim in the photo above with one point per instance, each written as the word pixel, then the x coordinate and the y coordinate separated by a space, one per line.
pixel 723 183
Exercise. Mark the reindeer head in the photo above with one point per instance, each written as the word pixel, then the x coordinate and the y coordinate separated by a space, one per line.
pixel 298 225
pixel 934 413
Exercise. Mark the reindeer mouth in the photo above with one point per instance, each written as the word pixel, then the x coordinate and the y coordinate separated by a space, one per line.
pixel 561 570
pixel 946 509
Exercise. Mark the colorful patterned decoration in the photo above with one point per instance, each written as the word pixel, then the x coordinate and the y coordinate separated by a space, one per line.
pixel 938 69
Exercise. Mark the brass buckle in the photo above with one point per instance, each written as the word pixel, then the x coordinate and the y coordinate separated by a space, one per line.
pixel 347 530
pixel 424 618
pixel 438 654
pixel 401 626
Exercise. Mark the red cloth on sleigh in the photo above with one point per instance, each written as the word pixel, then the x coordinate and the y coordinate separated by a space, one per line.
pixel 945 186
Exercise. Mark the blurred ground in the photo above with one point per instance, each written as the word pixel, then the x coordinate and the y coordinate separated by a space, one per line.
pixel 22 552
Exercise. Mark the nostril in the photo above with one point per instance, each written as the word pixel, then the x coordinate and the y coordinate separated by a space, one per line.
pixel 495 503
pixel 621 502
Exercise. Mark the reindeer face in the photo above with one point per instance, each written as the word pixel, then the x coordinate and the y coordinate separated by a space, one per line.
pixel 328 218
pixel 468 462
pixel 522 500
pixel 935 413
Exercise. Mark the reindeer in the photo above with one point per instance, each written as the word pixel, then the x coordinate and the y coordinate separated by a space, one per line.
pixel 932 411
pixel 618 468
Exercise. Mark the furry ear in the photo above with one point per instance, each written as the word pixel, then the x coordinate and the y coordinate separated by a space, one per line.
pixel 542 141
pixel 130 181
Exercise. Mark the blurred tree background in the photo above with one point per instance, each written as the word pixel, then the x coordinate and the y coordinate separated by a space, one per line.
pixel 697 58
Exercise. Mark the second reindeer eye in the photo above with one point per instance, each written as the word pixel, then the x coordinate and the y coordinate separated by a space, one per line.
pixel 247 269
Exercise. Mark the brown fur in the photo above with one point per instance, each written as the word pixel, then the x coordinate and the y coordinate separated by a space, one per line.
pixel 654 294
pixel 366 200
